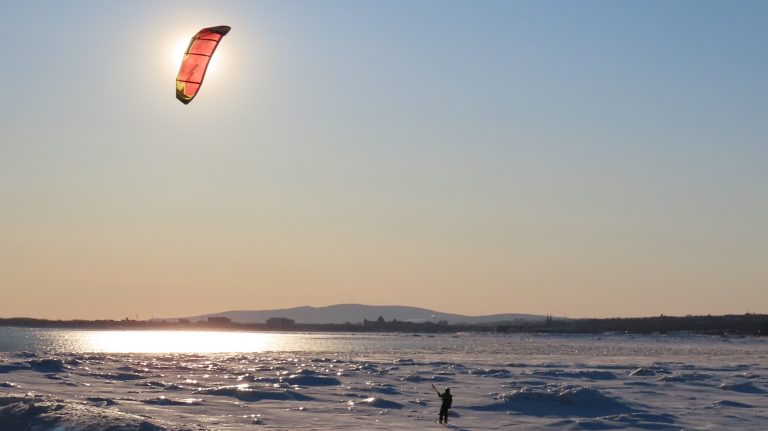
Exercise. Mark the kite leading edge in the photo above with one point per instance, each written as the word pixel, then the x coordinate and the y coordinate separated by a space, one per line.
pixel 196 59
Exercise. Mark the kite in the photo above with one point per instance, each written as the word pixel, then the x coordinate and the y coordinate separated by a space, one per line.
pixel 196 58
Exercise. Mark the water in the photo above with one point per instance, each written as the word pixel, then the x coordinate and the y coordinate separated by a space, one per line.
pixel 492 346
pixel 96 341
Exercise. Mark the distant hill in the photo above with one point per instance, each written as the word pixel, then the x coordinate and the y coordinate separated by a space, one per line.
pixel 355 313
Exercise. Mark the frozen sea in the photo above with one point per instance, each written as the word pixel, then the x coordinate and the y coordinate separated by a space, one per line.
pixel 65 380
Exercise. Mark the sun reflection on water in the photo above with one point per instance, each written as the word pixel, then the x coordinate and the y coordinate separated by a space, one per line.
pixel 178 341
pixel 207 342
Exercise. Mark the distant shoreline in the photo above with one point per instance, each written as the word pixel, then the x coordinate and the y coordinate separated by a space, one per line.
pixel 744 324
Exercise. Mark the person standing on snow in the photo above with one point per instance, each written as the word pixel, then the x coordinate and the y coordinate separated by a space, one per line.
pixel 445 405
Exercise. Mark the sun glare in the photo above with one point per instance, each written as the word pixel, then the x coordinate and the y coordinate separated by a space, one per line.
pixel 177 55
pixel 176 341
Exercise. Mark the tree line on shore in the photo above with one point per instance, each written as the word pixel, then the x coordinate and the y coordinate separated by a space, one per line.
pixel 743 324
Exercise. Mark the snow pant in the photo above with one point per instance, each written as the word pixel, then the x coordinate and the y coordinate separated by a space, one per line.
pixel 443 414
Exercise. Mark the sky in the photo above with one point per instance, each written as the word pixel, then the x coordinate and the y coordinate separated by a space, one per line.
pixel 581 159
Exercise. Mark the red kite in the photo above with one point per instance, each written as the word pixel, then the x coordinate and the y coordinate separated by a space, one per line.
pixel 196 58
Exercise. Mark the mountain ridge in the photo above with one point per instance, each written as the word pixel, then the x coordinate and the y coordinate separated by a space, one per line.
pixel 356 313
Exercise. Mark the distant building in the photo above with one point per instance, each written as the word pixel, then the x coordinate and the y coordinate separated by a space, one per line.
pixel 219 320
pixel 280 322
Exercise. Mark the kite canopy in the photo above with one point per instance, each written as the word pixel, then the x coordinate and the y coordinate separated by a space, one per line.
pixel 195 63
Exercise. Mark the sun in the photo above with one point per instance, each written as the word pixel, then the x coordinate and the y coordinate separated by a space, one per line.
pixel 177 53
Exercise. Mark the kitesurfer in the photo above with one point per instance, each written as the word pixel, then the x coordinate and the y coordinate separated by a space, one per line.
pixel 445 405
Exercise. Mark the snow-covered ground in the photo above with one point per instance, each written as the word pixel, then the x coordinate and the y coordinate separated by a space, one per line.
pixel 517 382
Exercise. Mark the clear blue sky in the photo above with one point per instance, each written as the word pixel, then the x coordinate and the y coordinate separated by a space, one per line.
pixel 591 158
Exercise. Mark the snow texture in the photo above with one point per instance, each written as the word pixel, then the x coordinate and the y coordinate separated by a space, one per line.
pixel 521 382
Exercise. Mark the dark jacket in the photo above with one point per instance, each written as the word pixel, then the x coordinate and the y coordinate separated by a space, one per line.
pixel 447 399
